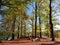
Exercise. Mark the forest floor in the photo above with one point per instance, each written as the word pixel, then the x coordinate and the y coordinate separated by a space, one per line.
pixel 43 41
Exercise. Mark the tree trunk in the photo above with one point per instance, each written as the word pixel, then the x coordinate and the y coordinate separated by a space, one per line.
pixel 13 27
pixel 21 27
pixel 40 27
pixel 24 30
pixel 0 4
pixel 18 32
pixel 18 28
pixel 51 24
pixel 35 18
pixel 32 28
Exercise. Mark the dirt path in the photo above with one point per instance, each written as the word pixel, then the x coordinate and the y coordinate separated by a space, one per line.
pixel 30 42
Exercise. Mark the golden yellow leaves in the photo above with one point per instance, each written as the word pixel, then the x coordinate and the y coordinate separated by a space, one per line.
pixel 47 8
pixel 38 0
pixel 58 33
pixel 12 2
pixel 19 7
pixel 38 30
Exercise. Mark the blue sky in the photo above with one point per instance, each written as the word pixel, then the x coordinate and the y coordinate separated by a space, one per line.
pixel 30 9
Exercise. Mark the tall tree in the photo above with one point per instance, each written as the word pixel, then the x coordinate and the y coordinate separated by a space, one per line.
pixel 35 18
pixel 51 24
pixel 13 26
pixel 18 32
pixel 40 27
